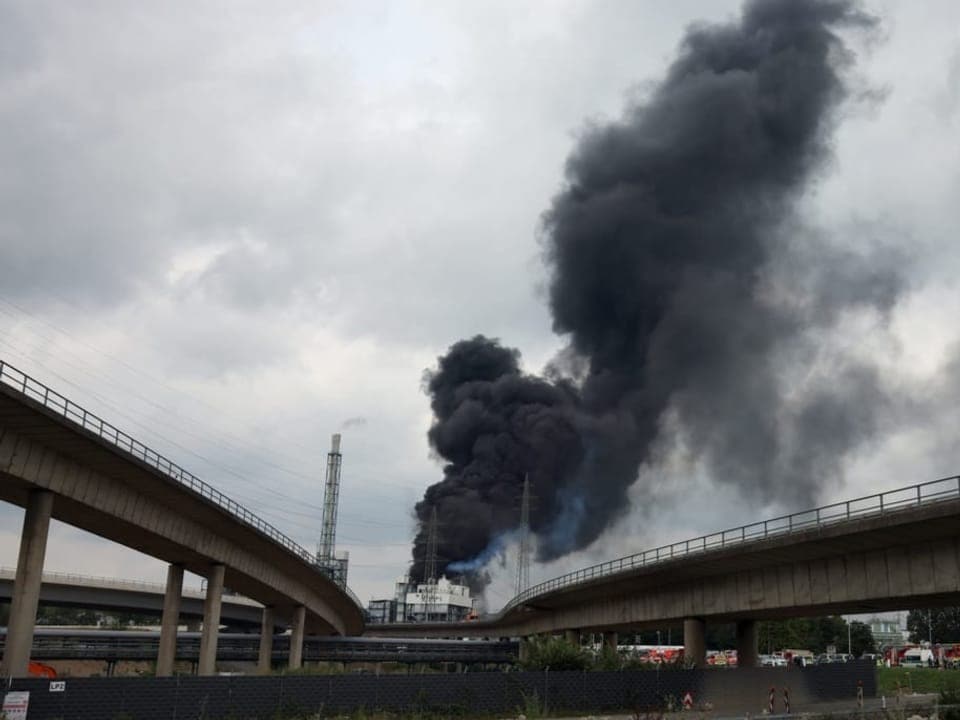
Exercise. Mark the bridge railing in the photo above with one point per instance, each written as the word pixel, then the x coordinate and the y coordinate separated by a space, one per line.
pixel 51 399
pixel 111 583
pixel 910 496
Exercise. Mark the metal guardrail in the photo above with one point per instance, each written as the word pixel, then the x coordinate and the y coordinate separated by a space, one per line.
pixel 49 398
pixel 109 583
pixel 911 496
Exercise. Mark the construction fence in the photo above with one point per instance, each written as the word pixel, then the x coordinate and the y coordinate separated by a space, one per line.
pixel 444 695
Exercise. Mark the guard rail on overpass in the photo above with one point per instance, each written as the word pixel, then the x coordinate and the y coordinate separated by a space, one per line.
pixel 59 460
pixel 134 596
pixel 887 551
pixel 911 496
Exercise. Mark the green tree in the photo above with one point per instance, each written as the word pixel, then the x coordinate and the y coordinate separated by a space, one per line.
pixel 798 633
pixel 815 634
pixel 830 630
pixel 861 638
pixel 54 615
pixel 125 619
pixel 943 624
pixel 556 654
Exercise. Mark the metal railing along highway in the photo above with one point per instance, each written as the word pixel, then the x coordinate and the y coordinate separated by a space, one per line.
pixel 910 496
pixel 36 390
pixel 109 583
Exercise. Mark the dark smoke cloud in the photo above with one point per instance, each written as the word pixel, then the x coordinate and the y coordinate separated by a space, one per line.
pixel 671 276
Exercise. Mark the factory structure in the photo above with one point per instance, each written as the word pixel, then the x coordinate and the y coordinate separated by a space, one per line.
pixel 437 600
pixel 328 560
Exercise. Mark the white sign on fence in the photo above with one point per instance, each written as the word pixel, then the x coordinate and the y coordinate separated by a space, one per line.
pixel 15 705
pixel 58 685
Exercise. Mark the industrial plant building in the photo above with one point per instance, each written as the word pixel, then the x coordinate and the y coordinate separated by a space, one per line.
pixel 434 601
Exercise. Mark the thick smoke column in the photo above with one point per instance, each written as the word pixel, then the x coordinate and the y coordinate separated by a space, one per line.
pixel 662 248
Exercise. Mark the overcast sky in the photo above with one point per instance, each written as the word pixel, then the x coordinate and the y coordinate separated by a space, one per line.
pixel 233 229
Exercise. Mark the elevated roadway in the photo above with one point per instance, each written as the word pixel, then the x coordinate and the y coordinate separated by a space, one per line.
pixel 133 596
pixel 60 461
pixel 889 551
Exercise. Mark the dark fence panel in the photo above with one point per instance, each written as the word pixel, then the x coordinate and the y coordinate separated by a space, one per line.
pixel 193 698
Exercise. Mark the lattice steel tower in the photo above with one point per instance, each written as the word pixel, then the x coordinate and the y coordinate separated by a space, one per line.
pixel 430 565
pixel 523 553
pixel 331 495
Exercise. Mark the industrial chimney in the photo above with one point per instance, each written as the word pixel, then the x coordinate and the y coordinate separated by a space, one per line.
pixel 331 494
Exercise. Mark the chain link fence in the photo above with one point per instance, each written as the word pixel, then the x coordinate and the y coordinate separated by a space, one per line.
pixel 438 694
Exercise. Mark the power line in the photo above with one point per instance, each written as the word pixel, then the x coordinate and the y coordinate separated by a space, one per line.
pixel 235 444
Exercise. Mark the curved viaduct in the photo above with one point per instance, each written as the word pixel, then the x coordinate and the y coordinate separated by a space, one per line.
pixel 889 551
pixel 81 591
pixel 58 460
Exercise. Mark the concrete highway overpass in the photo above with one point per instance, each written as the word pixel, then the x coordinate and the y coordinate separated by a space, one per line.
pixel 889 551
pixel 134 596
pixel 60 461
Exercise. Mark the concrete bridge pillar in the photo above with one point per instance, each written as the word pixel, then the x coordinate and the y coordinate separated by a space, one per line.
pixel 296 637
pixel 610 640
pixel 207 664
pixel 695 642
pixel 169 621
pixel 264 660
pixel 747 643
pixel 524 649
pixel 572 637
pixel 26 584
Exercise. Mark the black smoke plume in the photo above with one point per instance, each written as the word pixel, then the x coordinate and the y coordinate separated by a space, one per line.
pixel 671 274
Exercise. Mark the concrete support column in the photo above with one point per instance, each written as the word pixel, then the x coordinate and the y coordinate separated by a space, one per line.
pixel 296 637
pixel 26 584
pixel 265 658
pixel 524 654
pixel 610 640
pixel 695 642
pixel 207 664
pixel 572 637
pixel 747 643
pixel 169 621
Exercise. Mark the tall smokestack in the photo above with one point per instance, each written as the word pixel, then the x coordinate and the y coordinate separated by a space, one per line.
pixel 331 495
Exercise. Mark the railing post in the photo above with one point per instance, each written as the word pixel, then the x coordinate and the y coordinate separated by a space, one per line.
pixel 881 503
pixel 818 516
pixel 848 509
pixel 919 495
